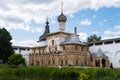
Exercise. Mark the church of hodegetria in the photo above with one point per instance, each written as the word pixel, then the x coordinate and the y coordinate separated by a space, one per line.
pixel 60 48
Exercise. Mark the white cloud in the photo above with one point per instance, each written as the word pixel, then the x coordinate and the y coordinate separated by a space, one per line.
pixel 95 32
pixel 85 22
pixel 94 16
pixel 105 20
pixel 83 36
pixel 71 15
pixel 15 14
pixel 109 37
pixel 19 14
pixel 37 29
pixel 28 43
pixel 108 32
pixel 89 4
pixel 117 27
pixel 115 31
pixel 52 20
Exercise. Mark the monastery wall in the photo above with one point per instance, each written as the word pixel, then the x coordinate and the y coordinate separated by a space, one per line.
pixel 111 50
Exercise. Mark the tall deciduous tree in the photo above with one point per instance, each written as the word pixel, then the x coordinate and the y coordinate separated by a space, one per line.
pixel 93 38
pixel 6 49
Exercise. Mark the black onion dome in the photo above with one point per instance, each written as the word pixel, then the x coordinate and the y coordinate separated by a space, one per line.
pixel 62 18
pixel 47 22
pixel 47 31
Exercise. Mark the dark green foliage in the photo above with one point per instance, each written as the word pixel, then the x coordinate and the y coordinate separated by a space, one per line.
pixel 93 38
pixel 65 73
pixel 16 59
pixel 6 49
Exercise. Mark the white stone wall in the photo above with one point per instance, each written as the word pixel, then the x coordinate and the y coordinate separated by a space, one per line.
pixel 110 50
pixel 57 41
pixel 62 26
pixel 25 54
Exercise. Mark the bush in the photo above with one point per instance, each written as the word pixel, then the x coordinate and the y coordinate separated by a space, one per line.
pixel 15 60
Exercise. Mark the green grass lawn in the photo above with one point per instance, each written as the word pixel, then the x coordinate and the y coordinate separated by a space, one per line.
pixel 55 72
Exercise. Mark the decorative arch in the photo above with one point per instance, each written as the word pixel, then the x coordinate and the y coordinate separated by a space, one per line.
pixel 109 55
pixel 117 59
pixel 117 53
pixel 106 52
pixel 37 63
pixel 76 60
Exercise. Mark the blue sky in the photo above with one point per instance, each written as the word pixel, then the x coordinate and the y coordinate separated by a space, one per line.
pixel 25 19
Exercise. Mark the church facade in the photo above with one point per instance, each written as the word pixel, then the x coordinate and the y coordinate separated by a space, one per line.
pixel 59 48
pixel 64 48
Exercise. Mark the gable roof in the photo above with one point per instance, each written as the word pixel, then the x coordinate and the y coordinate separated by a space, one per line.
pixel 100 53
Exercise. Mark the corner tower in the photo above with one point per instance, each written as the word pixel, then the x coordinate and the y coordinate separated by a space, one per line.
pixel 62 19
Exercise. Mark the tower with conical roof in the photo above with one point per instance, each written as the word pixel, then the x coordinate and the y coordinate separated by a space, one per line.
pixel 47 31
pixel 62 19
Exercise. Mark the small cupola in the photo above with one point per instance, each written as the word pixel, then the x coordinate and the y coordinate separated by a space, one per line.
pixel 62 19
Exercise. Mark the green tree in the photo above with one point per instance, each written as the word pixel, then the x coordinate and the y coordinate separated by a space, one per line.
pixel 16 59
pixel 93 38
pixel 6 49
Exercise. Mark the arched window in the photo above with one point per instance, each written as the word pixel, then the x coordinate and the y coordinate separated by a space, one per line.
pixel 49 62
pixel 53 62
pixel 75 47
pixel 85 62
pixel 61 62
pixel 52 42
pixel 87 48
pixel 49 49
pixel 66 62
pixel 39 51
pixel 76 62
pixel 34 50
pixel 37 63
pixel 42 62
pixel 55 48
pixel 82 48
pixel 63 47
pixel 32 63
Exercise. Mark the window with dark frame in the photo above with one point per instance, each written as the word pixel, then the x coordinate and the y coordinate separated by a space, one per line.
pixel 75 47
pixel 66 62
pixel 76 62
pixel 42 62
pixel 63 47
pixel 52 42
pixel 53 62
pixel 82 48
pixel 49 62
